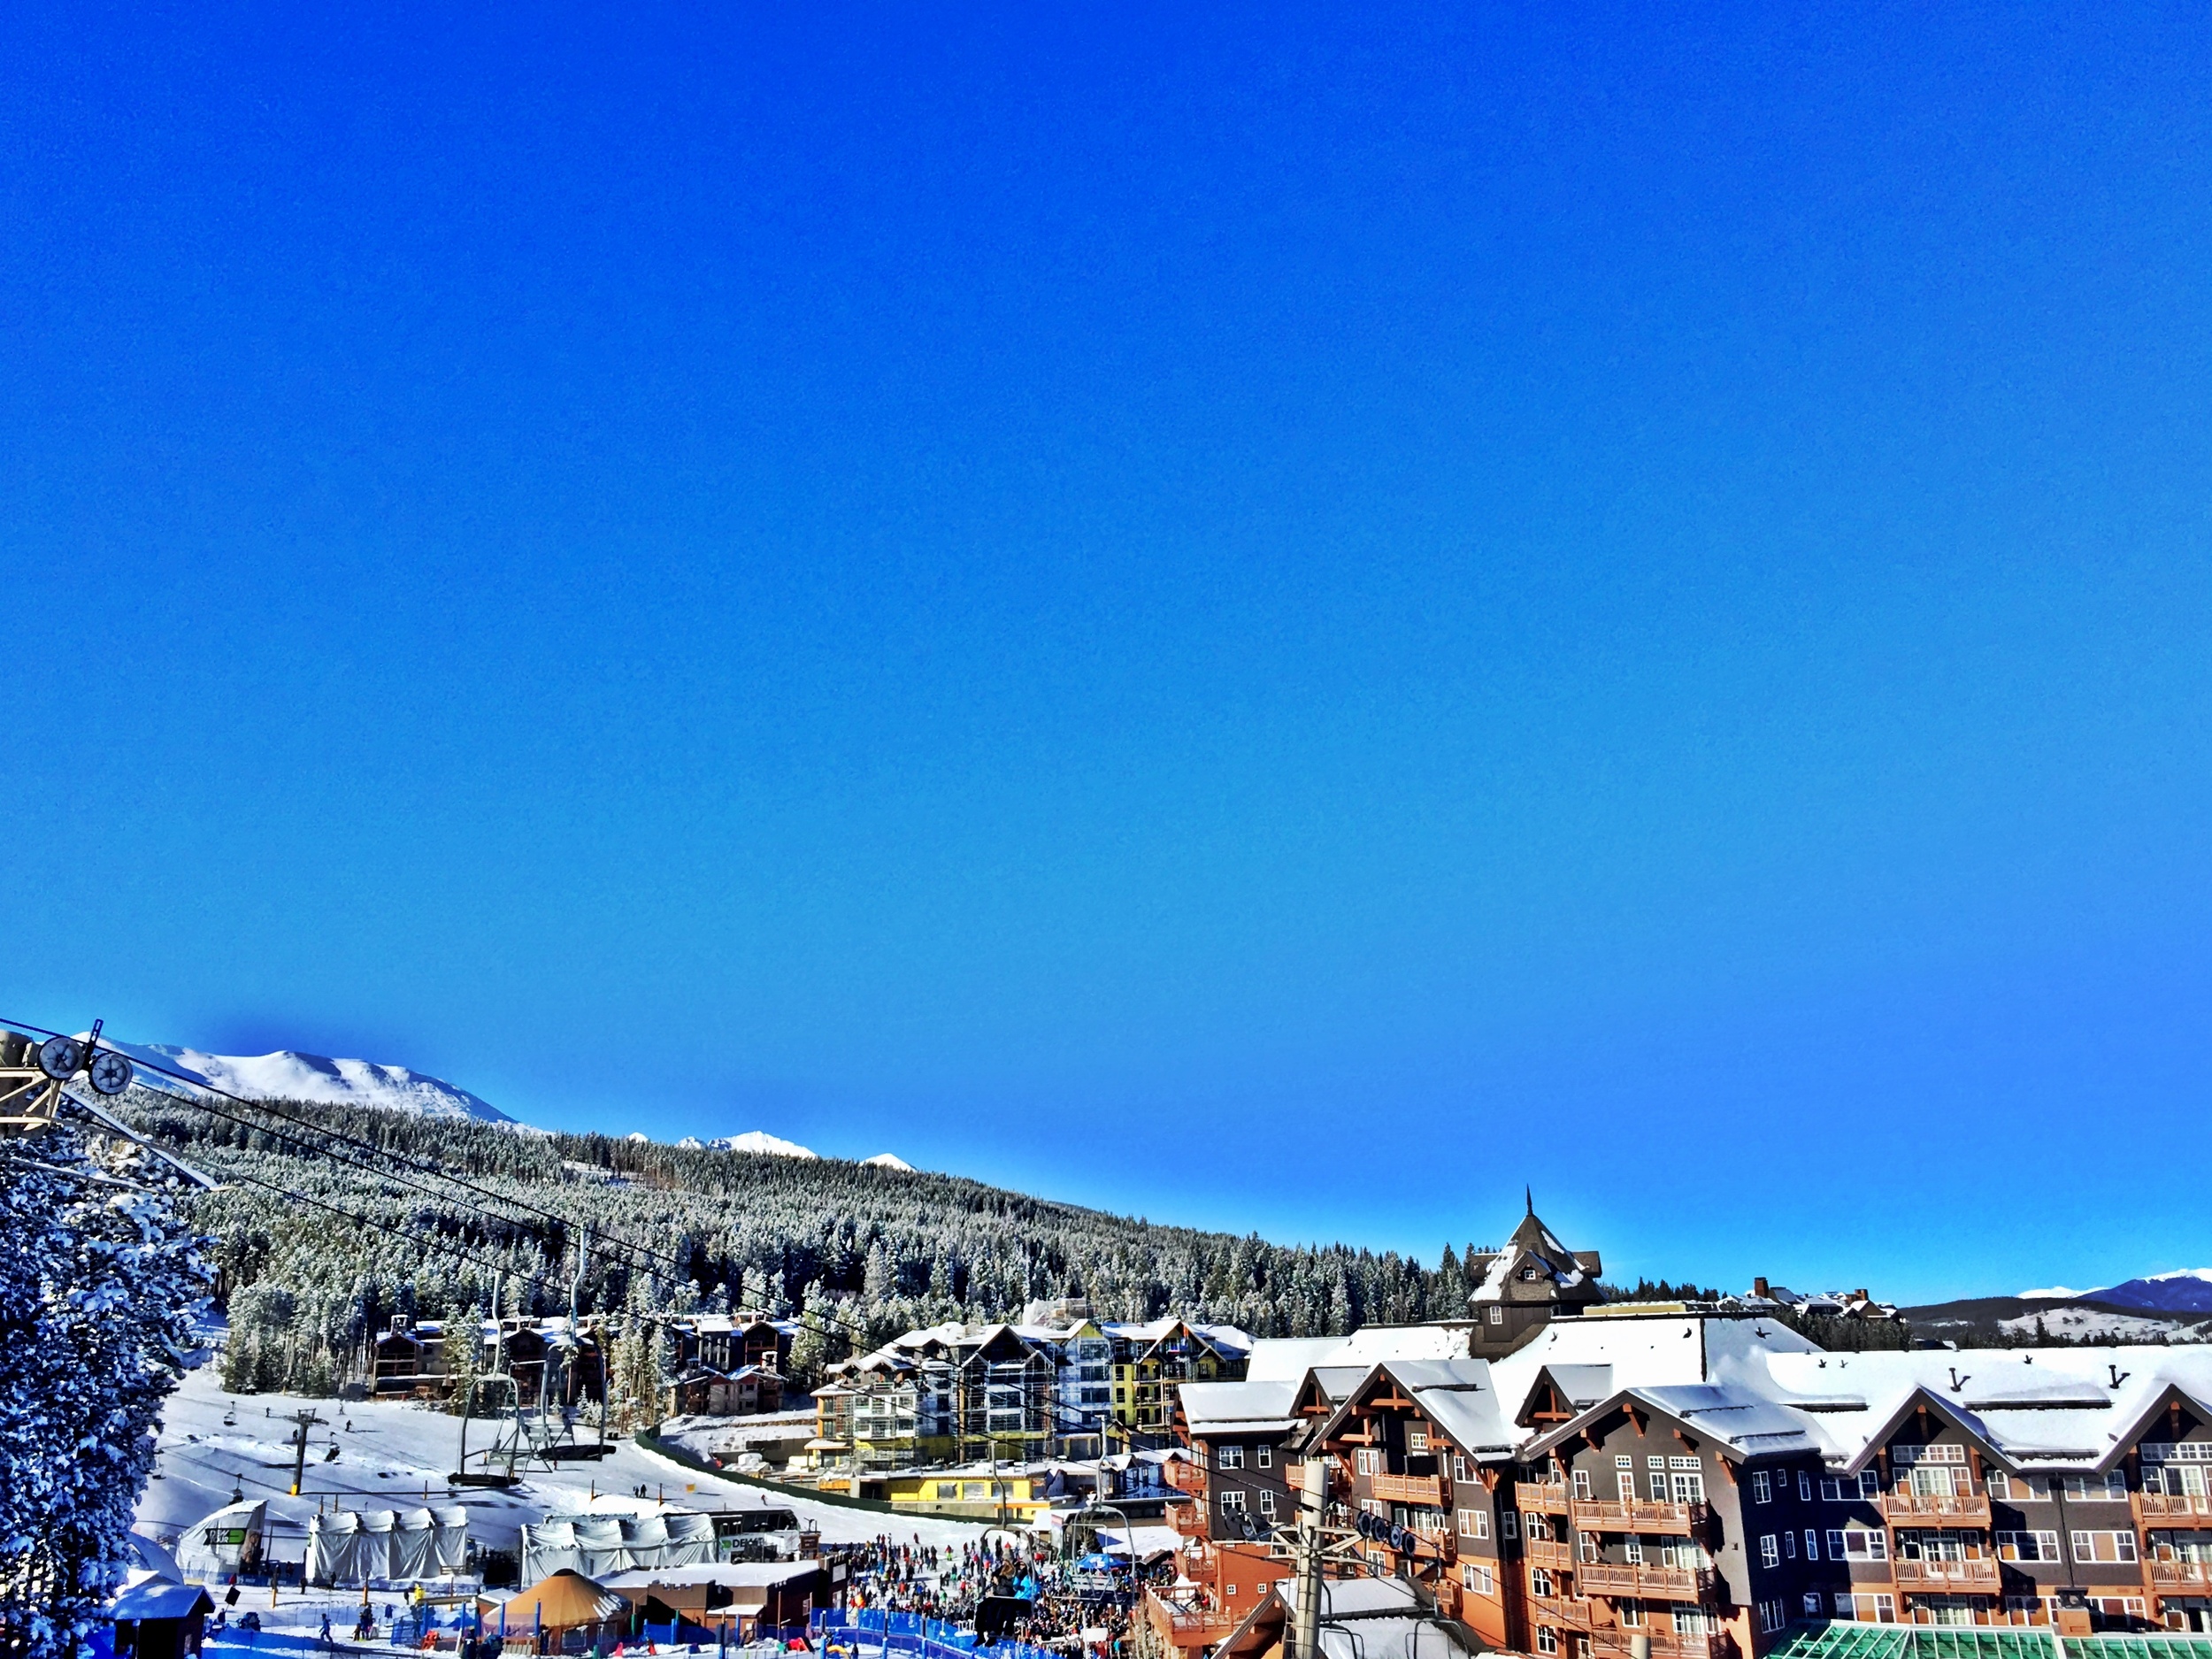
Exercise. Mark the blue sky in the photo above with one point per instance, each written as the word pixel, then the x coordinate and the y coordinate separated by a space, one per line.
pixel 1275 619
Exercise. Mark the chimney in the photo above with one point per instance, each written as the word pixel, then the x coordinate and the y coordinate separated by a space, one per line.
pixel 1859 1295
pixel 1758 1288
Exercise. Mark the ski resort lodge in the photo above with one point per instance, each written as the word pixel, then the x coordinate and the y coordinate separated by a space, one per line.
pixel 1565 1476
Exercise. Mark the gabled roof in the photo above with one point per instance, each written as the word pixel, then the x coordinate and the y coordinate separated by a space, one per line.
pixel 1738 1423
pixel 1578 1387
pixel 1457 1395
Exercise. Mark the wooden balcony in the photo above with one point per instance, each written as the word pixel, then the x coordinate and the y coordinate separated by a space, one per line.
pixel 1652 1582
pixel 1613 1643
pixel 1970 1577
pixel 1190 1519
pixel 1185 1478
pixel 2179 1577
pixel 1564 1612
pixel 1546 1499
pixel 1548 1552
pixel 1930 1509
pixel 1426 1490
pixel 1186 1626
pixel 2158 1508
pixel 1634 1514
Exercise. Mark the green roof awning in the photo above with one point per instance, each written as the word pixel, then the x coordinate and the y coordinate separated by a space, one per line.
pixel 1956 1642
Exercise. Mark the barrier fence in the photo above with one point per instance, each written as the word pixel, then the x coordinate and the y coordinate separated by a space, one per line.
pixel 914 1634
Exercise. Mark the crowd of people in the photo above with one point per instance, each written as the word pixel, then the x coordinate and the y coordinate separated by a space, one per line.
pixel 1024 1592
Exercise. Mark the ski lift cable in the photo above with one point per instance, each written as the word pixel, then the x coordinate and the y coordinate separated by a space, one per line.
pixel 323 1136
pixel 606 1244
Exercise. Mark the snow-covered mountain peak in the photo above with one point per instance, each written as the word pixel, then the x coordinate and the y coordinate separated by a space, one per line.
pixel 289 1075
pixel 756 1141
pixel 889 1161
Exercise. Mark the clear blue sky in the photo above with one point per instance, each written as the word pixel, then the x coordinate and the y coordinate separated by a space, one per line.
pixel 1286 620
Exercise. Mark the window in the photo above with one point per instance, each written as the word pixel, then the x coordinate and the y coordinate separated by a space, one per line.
pixel 1869 1484
pixel 1264 1457
pixel 1860 1544
pixel 1416 1438
pixel 2097 1489
pixel 1631 1547
pixel 1621 1460
pixel 1789 1546
pixel 1233 1501
pixel 1760 1493
pixel 2104 1546
pixel 1582 1483
pixel 1477 1577
pixel 1509 1523
pixel 1812 1545
pixel 1774 1615
pixel 1885 1607
pixel 1835 1543
pixel 1475 1522
pixel 1630 1612
pixel 1770 1551
pixel 1547 1638
pixel 1999 1485
pixel 1367 1462
pixel 1539 1581
pixel 1267 1502
pixel 1812 1604
pixel 1467 1522
pixel 1497 1317
pixel 1804 1487
pixel 1846 1605
pixel 1830 1489
pixel 1459 1466
pixel 2027 1545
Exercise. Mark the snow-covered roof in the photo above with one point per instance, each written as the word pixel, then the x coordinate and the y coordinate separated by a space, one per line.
pixel 1751 1384
pixel 1230 1406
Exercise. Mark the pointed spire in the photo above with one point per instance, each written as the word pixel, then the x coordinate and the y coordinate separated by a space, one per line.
pixel 1530 1193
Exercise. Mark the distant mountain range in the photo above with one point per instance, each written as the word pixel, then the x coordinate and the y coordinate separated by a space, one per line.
pixel 2186 1290
pixel 289 1075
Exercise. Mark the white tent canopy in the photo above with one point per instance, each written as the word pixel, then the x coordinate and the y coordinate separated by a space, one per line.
pixel 227 1542
pixel 389 1546
pixel 596 1545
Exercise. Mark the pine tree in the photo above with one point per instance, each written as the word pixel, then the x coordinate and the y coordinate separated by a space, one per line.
pixel 96 1288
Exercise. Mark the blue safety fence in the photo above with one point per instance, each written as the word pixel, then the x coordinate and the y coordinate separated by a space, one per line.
pixel 875 1630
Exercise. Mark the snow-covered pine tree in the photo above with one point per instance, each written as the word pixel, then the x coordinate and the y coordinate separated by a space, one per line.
pixel 97 1280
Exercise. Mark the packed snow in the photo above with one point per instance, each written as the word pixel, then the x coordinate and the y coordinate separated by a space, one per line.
pixel 394 1455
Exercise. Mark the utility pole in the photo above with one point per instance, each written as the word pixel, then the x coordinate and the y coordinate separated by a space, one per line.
pixel 1313 1499
pixel 299 1446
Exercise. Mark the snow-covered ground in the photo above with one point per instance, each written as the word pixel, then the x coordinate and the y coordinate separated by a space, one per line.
pixel 2081 1322
pixel 397 1456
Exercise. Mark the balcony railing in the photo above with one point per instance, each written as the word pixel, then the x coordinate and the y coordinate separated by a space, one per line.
pixel 1427 1490
pixel 1613 1643
pixel 1187 1477
pixel 1938 1508
pixel 1634 1514
pixel 1190 1519
pixel 1531 1494
pixel 2184 1508
pixel 1182 1626
pixel 1548 1552
pixel 1653 1583
pixel 1973 1577
pixel 1568 1612
pixel 2179 1575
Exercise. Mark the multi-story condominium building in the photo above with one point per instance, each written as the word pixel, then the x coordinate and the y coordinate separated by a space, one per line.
pixel 955 1393
pixel 1151 1361
pixel 1708 1481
